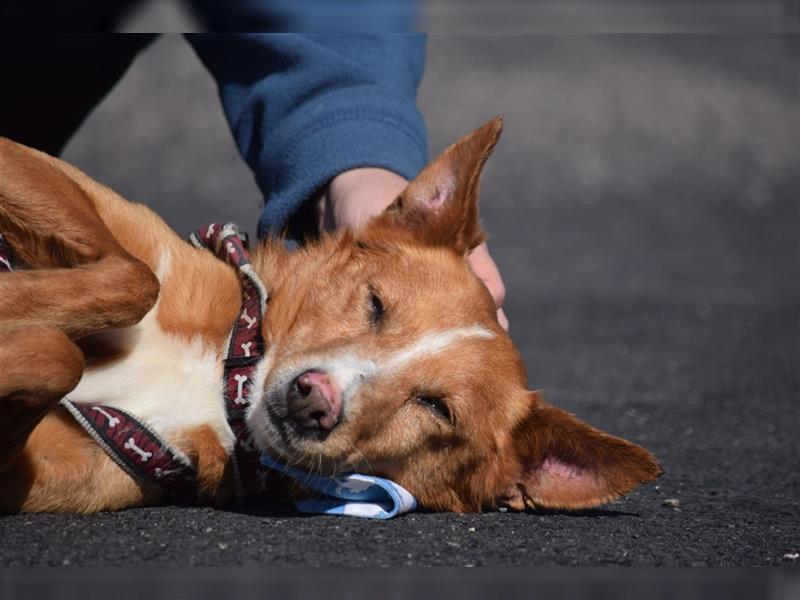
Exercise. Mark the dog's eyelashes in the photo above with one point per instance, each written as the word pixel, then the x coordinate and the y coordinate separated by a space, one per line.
pixel 437 406
pixel 376 310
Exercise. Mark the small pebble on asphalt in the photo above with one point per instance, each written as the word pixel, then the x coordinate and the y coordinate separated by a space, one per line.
pixel 671 503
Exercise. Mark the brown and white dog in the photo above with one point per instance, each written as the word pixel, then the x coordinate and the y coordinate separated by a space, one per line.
pixel 386 357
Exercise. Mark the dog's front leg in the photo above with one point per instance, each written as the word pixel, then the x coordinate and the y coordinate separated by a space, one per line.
pixel 81 280
pixel 39 366
pixel 115 291
pixel 47 461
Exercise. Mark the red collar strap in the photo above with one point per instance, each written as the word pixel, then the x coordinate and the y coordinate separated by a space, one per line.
pixel 147 457
pixel 138 449
pixel 246 349
pixel 132 445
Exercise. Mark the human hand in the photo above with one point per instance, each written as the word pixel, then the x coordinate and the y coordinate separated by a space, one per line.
pixel 352 198
pixel 486 270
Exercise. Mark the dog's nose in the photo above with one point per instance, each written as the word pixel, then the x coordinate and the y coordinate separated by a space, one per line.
pixel 315 401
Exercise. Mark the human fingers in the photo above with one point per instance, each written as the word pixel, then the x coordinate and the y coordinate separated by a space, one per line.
pixel 484 267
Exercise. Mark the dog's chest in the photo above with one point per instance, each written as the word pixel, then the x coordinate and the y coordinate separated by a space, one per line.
pixel 171 383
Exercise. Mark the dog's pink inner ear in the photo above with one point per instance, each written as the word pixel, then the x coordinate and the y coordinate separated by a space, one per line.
pixel 565 463
pixel 556 484
pixel 440 206
pixel 440 197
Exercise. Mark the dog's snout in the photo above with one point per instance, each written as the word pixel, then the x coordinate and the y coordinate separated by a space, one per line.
pixel 315 401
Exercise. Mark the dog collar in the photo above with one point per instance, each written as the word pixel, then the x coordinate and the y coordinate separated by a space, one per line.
pixel 136 448
pixel 246 349
pixel 129 442
pixel 144 454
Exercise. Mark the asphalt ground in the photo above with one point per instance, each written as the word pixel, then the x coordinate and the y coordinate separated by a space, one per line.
pixel 643 209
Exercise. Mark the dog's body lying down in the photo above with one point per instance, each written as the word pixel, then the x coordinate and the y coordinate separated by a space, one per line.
pixel 384 357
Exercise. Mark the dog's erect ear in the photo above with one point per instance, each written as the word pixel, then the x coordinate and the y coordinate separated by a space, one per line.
pixel 565 463
pixel 441 205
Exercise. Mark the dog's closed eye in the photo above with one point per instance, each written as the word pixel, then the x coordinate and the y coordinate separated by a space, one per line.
pixel 437 406
pixel 376 309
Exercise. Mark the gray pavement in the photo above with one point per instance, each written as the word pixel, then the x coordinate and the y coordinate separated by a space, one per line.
pixel 643 208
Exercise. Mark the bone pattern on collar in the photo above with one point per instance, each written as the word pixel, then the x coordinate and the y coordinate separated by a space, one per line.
pixel 246 351
pixel 134 446
pixel 138 450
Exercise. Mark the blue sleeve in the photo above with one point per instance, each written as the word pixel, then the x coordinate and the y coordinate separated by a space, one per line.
pixel 305 107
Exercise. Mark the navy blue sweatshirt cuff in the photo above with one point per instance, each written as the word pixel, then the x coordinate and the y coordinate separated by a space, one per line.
pixel 330 147
pixel 304 108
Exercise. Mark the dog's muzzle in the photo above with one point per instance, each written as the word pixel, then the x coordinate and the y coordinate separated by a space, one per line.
pixel 314 402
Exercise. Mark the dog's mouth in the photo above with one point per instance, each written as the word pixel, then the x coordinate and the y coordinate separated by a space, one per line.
pixel 304 412
pixel 287 423
pixel 295 417
pixel 285 441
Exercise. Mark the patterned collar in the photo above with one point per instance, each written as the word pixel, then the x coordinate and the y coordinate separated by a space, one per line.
pixel 128 441
pixel 142 453
pixel 246 350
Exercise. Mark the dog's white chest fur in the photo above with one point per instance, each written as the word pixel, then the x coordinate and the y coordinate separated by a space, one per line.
pixel 168 382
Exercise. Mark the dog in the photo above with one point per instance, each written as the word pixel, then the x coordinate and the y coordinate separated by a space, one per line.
pixel 382 354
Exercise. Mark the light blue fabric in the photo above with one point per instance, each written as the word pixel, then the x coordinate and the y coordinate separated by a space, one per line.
pixel 352 495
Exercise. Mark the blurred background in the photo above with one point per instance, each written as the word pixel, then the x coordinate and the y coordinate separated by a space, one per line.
pixel 610 141
pixel 598 127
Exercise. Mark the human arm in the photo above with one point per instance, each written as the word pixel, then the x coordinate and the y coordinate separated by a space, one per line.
pixel 305 108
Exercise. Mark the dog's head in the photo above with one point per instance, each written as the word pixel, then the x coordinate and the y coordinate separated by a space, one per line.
pixel 388 359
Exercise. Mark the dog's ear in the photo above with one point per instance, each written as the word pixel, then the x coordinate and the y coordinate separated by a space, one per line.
pixel 564 463
pixel 441 205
